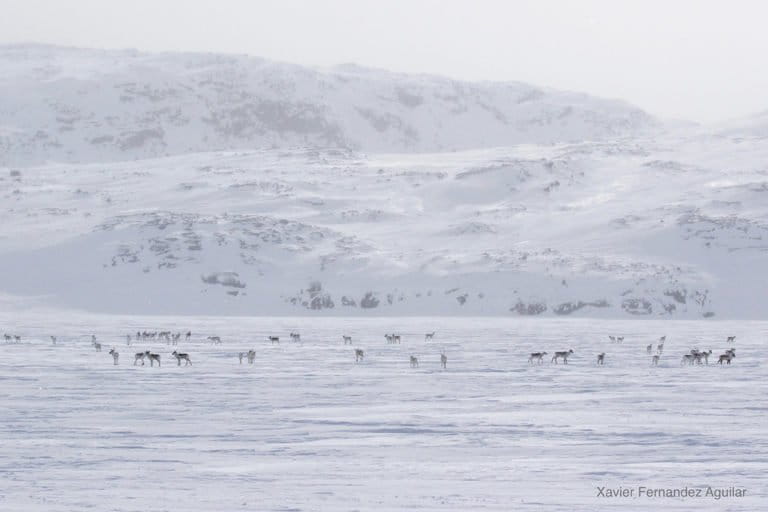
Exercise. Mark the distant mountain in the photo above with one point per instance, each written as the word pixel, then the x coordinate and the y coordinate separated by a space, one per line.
pixel 755 125
pixel 77 105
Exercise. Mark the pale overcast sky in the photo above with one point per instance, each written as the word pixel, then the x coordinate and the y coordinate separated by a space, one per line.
pixel 691 59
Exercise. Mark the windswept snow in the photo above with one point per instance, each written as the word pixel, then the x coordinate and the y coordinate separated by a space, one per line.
pixel 213 184
pixel 305 428
pixel 641 227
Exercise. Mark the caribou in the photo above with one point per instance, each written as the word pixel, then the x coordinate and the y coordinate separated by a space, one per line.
pixel 392 338
pixel 564 355
pixel 687 359
pixel 152 358
pixel 726 357
pixel 703 355
pixel 180 356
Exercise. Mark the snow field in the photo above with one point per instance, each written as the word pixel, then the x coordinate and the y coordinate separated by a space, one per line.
pixel 305 428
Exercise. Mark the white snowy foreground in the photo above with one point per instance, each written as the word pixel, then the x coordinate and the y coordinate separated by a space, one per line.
pixel 305 428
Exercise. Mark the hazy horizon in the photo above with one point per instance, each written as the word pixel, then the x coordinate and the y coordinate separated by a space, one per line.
pixel 704 72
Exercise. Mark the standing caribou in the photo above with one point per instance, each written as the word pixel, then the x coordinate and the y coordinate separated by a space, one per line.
pixel 729 354
pixel 564 355
pixel 152 358
pixel 180 356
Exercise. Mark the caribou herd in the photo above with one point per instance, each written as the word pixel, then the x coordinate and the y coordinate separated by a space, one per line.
pixel 694 357
pixel 690 358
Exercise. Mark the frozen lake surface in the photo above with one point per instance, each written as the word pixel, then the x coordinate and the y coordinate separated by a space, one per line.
pixel 306 428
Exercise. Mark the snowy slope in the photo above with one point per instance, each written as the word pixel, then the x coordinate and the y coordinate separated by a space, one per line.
pixel 190 183
pixel 632 228
pixel 73 105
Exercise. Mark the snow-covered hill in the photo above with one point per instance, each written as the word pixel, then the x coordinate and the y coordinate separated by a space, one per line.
pixel 634 228
pixel 75 105
pixel 188 183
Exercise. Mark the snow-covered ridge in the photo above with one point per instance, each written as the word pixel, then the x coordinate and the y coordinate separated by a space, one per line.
pixel 78 105
pixel 638 228
pixel 190 183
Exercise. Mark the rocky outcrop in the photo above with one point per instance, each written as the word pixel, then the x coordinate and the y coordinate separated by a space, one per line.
pixel 530 309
